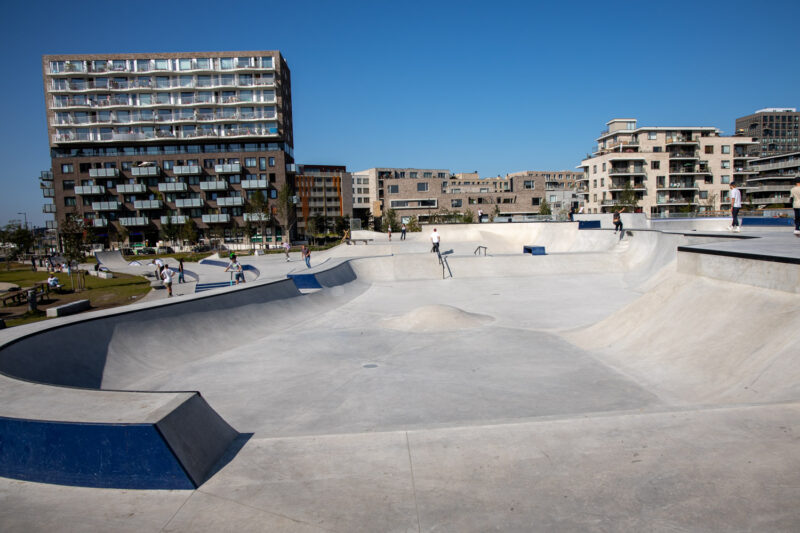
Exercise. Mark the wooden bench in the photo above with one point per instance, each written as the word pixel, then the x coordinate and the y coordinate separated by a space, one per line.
pixel 354 241
pixel 21 296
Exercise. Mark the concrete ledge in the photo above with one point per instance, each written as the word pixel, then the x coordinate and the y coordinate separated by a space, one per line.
pixel 737 268
pixel 68 309
pixel 533 250
pixel 101 274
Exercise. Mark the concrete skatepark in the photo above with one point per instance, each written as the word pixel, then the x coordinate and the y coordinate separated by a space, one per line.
pixel 648 382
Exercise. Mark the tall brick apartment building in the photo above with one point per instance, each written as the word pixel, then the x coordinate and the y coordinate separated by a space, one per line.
pixel 142 140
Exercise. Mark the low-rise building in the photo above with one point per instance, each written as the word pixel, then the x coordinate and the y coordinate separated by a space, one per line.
pixel 774 177
pixel 668 169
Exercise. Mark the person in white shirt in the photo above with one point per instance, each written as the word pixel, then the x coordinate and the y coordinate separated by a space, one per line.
pixel 236 266
pixel 435 241
pixel 795 195
pixel 736 204
pixel 159 265
pixel 166 277
pixel 286 248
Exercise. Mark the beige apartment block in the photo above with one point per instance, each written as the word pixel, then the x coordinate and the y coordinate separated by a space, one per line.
pixel 325 193
pixel 670 169
pixel 424 193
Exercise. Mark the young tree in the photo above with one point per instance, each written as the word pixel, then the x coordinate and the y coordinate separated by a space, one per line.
pixel 189 231
pixel 20 236
pixel 413 224
pixel 170 231
pixel 468 217
pixel 390 221
pixel 340 224
pixel 73 234
pixel 544 208
pixel 284 207
pixel 628 199
pixel 258 208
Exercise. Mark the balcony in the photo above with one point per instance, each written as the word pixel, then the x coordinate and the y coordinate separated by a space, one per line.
pixel 216 219
pixel 100 222
pixel 682 140
pixel 213 185
pixel 254 184
pixel 103 172
pixel 146 171
pixel 106 206
pixel 178 219
pixel 49 208
pixel 89 189
pixel 771 200
pixel 172 187
pixel 230 201
pixel 628 171
pixel 134 221
pixel 48 192
pixel 256 217
pixel 46 175
pixel 147 204
pixel 683 155
pixel 232 168
pixel 184 170
pixel 50 224
pixel 691 186
pixel 131 188
pixel 189 202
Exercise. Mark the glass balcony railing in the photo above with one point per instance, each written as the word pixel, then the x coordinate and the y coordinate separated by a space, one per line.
pixel 231 168
pixel 172 187
pixel 103 172
pixel 134 221
pixel 230 201
pixel 106 206
pixel 182 170
pixel 256 217
pixel 189 202
pixel 146 171
pixel 176 219
pixel 131 188
pixel 100 222
pixel 254 184
pixel 147 204
pixel 213 185
pixel 89 189
pixel 216 219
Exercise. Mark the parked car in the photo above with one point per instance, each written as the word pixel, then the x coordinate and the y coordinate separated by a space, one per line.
pixel 201 248
pixel 165 250
pixel 146 251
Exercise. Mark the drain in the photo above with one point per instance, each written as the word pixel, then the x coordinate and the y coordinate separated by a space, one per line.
pixel 370 365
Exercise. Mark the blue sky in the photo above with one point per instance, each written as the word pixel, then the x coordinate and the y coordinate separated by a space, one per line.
pixel 496 87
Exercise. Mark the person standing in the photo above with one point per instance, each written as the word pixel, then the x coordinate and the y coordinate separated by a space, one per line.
pixel 166 278
pixel 389 232
pixel 736 204
pixel 236 266
pixel 795 195
pixel 181 279
pixel 159 265
pixel 286 248
pixel 306 253
pixel 480 216
pixel 403 232
pixel 435 239
pixel 618 220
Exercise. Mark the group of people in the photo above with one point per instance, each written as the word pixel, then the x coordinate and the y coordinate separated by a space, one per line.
pixel 165 274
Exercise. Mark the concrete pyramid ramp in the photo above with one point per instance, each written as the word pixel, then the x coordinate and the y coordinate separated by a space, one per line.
pixel 437 318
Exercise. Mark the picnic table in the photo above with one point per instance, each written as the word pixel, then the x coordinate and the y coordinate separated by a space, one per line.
pixel 20 296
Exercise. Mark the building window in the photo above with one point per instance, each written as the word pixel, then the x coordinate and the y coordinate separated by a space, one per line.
pixel 422 187
pixel 726 164
pixel 704 195
pixel 651 135
pixel 726 179
pixel 656 149
pixel 69 201
pixel 67 168
pixel 68 185
pixel 529 184
pixel 594 169
pixel 272 161
pixel 250 162
pixel 709 149
pixel 604 169
pixel 412 174
pixel 726 149
pixel 393 189
pixel 655 164
pixel 536 201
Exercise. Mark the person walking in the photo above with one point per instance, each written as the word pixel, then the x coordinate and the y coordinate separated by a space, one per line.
pixel 435 239
pixel 736 204
pixel 236 267
pixel 166 279
pixel 389 232
pixel 159 265
pixel 618 220
pixel 403 232
pixel 286 248
pixel 181 279
pixel 795 195
pixel 306 253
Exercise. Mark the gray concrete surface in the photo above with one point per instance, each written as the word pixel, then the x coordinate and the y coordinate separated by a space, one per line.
pixel 593 389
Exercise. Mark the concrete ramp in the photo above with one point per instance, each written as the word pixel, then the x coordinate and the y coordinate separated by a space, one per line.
pixel 112 259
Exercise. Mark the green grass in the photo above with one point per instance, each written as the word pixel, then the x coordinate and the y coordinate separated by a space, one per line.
pixel 102 293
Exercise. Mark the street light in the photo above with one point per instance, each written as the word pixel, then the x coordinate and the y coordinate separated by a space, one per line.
pixel 26 219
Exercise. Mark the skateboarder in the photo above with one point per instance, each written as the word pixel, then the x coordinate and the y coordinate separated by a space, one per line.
pixel 795 194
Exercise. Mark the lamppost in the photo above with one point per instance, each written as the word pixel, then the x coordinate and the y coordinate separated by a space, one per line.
pixel 26 219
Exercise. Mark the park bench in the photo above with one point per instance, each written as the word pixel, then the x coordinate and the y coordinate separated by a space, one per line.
pixel 21 296
pixel 354 241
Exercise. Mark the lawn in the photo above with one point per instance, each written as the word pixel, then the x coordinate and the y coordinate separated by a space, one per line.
pixel 102 293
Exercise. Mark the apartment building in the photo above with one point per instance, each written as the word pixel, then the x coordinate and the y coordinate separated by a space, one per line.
pixel 773 180
pixel 669 169
pixel 142 140
pixel 424 193
pixel 324 192
pixel 777 130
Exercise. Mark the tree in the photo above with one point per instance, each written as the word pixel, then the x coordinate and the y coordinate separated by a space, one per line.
pixel 390 221
pixel 413 224
pixel 284 207
pixel 189 231
pixel 628 199
pixel 20 236
pixel 340 224
pixel 468 217
pixel 312 226
pixel 73 234
pixel 544 208
pixel 258 208
pixel 169 230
